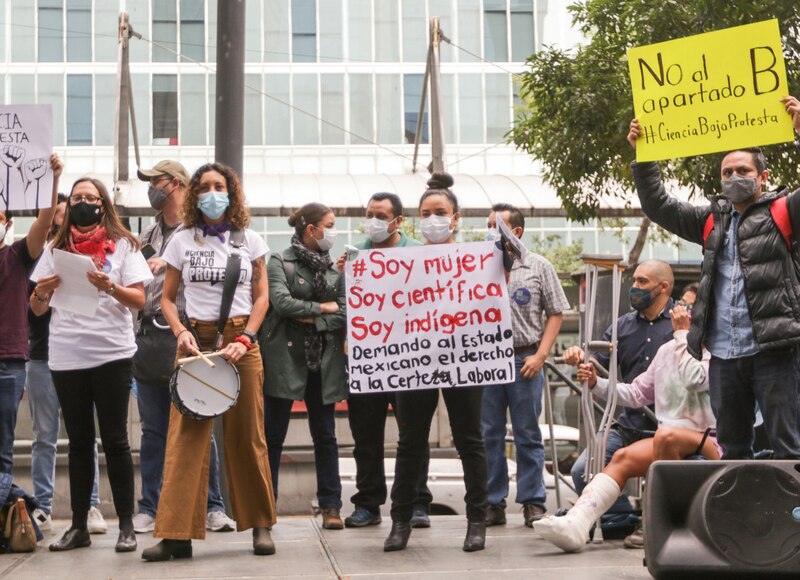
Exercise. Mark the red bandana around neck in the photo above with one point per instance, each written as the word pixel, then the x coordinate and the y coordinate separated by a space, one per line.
pixel 95 244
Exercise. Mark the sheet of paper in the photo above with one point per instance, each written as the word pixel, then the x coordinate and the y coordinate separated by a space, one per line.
pixel 76 294
pixel 518 248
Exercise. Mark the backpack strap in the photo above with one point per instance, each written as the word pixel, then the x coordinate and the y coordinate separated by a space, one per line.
pixel 780 213
pixel 708 228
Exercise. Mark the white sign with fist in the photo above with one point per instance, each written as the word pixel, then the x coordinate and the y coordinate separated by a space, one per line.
pixel 26 141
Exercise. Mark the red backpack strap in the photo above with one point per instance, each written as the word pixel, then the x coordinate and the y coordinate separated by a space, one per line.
pixel 707 228
pixel 780 213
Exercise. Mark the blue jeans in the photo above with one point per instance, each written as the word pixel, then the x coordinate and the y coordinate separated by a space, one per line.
pixel 523 398
pixel 154 404
pixel 615 441
pixel 12 384
pixel 769 378
pixel 46 419
pixel 278 412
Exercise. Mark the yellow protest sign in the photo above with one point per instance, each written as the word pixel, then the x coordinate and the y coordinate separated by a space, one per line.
pixel 710 92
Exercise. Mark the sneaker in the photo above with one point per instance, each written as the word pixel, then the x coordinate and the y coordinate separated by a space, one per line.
pixel 218 521
pixel 43 520
pixel 143 523
pixel 532 513
pixel 331 520
pixel 362 517
pixel 95 522
pixel 636 539
pixel 495 515
pixel 420 517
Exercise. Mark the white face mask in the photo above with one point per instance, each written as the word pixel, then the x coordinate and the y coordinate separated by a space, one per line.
pixel 328 238
pixel 377 229
pixel 3 231
pixel 492 235
pixel 436 228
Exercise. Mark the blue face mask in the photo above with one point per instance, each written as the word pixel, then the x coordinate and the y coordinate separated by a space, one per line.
pixel 213 203
pixel 640 298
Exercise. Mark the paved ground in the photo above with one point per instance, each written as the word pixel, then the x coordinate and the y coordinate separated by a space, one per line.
pixel 309 552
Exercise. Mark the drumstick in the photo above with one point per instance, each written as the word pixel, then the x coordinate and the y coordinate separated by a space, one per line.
pixel 212 387
pixel 205 357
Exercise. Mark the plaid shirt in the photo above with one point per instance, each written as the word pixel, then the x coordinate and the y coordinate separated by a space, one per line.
pixel 533 290
pixel 152 289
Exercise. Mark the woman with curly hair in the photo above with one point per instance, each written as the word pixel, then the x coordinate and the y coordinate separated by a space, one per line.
pixel 197 255
pixel 91 356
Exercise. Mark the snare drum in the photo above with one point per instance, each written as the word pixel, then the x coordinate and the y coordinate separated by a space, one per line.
pixel 202 392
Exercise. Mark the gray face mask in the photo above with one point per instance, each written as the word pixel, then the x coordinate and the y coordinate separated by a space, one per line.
pixel 738 189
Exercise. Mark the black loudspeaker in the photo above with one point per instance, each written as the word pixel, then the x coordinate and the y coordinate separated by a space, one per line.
pixel 709 519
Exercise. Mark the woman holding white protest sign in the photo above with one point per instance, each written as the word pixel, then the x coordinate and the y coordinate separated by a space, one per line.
pixel 90 355
pixel 439 213
pixel 303 347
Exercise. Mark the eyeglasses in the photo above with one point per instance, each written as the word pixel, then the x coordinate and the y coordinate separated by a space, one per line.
pixel 89 198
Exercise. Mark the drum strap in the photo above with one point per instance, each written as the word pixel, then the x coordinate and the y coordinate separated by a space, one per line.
pixel 232 269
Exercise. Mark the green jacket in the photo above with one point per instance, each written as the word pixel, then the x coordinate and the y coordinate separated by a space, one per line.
pixel 282 338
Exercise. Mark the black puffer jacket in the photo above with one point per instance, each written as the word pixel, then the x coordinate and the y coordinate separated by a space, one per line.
pixel 771 272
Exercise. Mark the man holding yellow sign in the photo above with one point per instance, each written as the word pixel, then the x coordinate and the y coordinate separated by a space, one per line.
pixel 747 312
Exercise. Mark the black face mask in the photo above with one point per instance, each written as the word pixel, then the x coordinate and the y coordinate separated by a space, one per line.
pixel 85 214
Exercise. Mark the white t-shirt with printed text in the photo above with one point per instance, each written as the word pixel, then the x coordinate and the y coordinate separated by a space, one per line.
pixel 84 342
pixel 202 264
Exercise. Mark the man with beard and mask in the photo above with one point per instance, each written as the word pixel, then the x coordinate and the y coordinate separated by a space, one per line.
pixel 748 296
pixel 155 356
pixel 640 333
pixel 367 412
pixel 16 263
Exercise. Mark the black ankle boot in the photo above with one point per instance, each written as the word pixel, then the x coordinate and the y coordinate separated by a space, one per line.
pixel 262 542
pixel 476 537
pixel 126 542
pixel 166 549
pixel 73 538
pixel 398 537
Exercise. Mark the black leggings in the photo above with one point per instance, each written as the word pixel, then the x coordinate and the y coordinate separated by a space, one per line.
pixel 105 388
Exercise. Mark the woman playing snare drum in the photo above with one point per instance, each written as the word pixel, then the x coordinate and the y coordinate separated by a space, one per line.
pixel 214 206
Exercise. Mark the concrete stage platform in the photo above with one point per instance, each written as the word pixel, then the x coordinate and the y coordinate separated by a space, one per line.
pixel 305 550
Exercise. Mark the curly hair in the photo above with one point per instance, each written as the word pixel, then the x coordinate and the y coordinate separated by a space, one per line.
pixel 237 213
pixel 110 219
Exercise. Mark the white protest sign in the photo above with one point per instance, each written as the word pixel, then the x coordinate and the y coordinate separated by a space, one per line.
pixel 426 317
pixel 26 142
pixel 519 249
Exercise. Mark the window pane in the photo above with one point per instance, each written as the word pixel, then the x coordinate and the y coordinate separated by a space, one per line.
pixel 211 32
pixel 193 30
pixel 165 30
pixel 2 44
pixel 51 31
pixel 22 90
pixel 51 92
pixel 105 109
pixel 165 109
pixel 469 28
pixel 331 47
pixel 141 105
pixel 361 124
pixel 22 39
pixel 212 106
pixel 387 33
pixel 522 30
pixel 449 107
pixel 495 35
pixel 470 108
pixel 359 27
pixel 252 32
pixel 412 95
pixel 304 96
pixel 444 10
pixel 415 31
pixel 387 104
pixel 276 35
pixel 498 111
pixel 332 108
pixel 304 31
pixel 106 21
pixel 193 109
pixel 79 30
pixel 139 16
pixel 253 121
pixel 277 126
pixel 79 110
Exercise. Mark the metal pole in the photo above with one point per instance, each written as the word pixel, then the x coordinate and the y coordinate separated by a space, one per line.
pixel 229 133
pixel 123 103
pixel 437 123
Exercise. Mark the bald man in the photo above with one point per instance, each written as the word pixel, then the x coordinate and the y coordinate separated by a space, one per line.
pixel 640 333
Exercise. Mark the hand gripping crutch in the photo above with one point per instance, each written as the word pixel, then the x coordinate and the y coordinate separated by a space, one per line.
pixel 596 436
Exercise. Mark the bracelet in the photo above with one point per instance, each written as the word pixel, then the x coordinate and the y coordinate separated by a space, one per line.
pixel 111 290
pixel 39 299
pixel 181 332
pixel 241 339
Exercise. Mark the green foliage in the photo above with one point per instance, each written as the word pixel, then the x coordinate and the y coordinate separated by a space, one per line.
pixel 565 258
pixel 578 104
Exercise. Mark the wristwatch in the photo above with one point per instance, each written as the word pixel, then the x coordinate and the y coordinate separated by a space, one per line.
pixel 251 335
